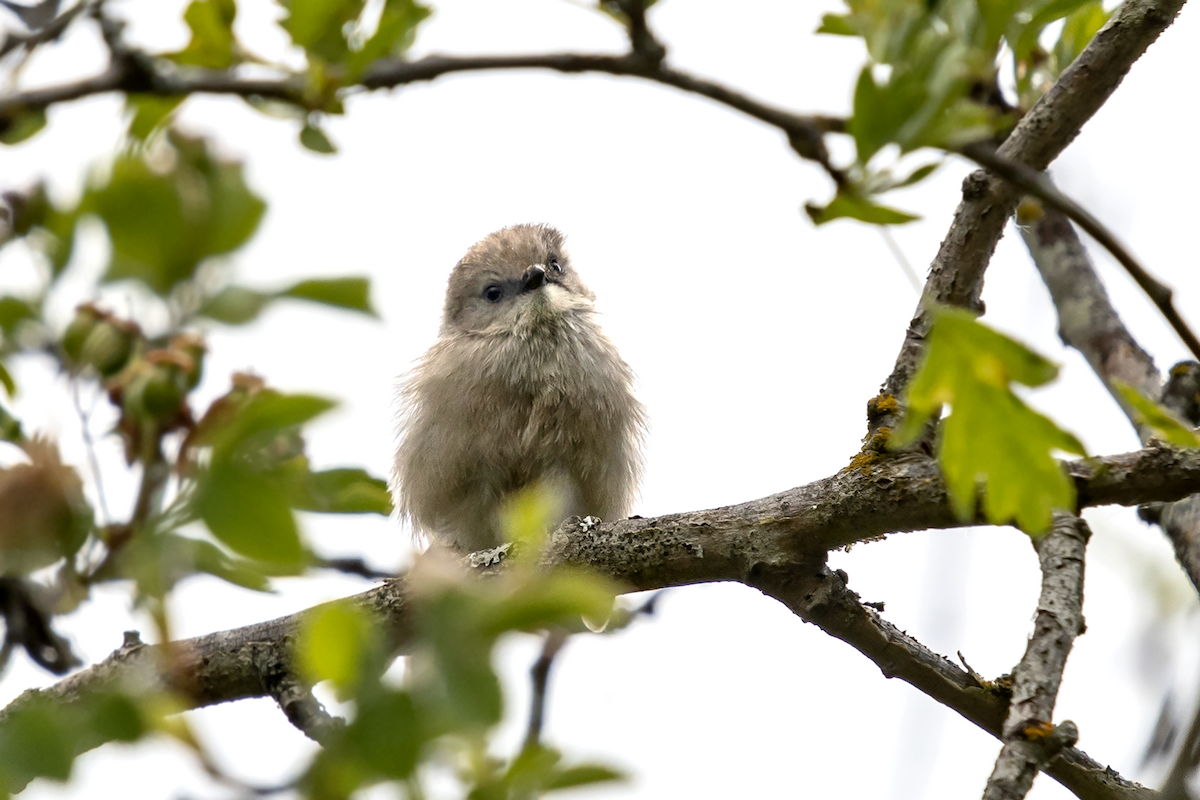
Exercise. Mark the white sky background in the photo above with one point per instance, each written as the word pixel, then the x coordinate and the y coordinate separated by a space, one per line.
pixel 757 340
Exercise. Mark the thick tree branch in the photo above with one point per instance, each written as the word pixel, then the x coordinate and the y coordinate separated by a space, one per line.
pixel 764 543
pixel 1030 738
pixel 956 274
pixel 1089 323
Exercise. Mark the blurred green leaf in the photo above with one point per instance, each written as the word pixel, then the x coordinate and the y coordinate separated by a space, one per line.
pixel 990 435
pixel 332 645
pixel 6 380
pixel 147 112
pixel 235 305
pixel 1027 34
pixel 386 735
pixel 393 36
pixel 36 741
pixel 166 215
pixel 349 293
pixel 212 43
pixel 1080 28
pixel 583 775
pixel 463 661
pixel 268 411
pixel 345 491
pixel 18 128
pixel 558 598
pixel 249 513
pixel 837 25
pixel 10 426
pixel 318 26
pixel 1165 425
pixel 314 139
pixel 846 205
pixel 14 311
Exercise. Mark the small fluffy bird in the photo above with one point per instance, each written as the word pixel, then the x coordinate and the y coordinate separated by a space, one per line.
pixel 522 387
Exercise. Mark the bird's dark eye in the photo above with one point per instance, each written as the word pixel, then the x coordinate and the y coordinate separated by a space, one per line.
pixel 554 265
pixel 493 293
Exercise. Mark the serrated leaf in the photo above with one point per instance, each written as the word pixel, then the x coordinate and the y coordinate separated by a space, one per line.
pixel 249 513
pixel 849 206
pixel 1165 425
pixel 991 436
pixel 235 305
pixel 353 294
pixel 314 139
pixel 21 125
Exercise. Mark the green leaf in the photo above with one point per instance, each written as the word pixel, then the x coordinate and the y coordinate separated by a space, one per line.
pixel 387 734
pixel 333 645
pixel 36 741
pixel 1032 30
pixel 345 491
pixel 165 216
pixel 462 652
pixel 583 775
pixel 6 380
pixel 393 36
pixel 991 436
pixel 846 205
pixel 235 305
pixel 837 25
pixel 1079 30
pixel 315 140
pixel 559 598
pixel 249 513
pixel 20 125
pixel 1165 425
pixel 349 293
pixel 212 44
pixel 10 426
pixel 148 112
pixel 14 311
pixel 318 25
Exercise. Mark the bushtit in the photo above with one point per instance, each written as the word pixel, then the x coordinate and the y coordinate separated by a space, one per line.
pixel 521 388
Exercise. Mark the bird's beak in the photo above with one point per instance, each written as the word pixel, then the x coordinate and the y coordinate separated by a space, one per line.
pixel 533 278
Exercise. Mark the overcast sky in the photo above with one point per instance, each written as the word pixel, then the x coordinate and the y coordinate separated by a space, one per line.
pixel 757 340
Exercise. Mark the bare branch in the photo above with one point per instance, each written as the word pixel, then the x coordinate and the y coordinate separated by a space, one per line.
pixel 821 597
pixel 1030 738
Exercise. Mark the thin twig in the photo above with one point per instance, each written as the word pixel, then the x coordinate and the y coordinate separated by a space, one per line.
pixel 539 675
pixel 89 445
pixel 898 254
pixel 1037 184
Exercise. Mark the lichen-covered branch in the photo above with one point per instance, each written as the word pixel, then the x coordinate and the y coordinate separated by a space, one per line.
pixel 1089 323
pixel 1030 737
